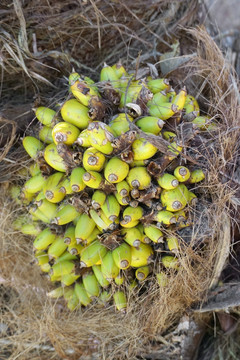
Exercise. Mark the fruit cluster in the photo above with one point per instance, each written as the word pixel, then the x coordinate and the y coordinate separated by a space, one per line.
pixel 107 190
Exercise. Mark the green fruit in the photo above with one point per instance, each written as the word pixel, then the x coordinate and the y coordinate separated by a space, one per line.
pixel 57 247
pixel 150 124
pixel 108 267
pixel 32 146
pixel 101 136
pixel 76 179
pixel 65 215
pixel 53 159
pixel 92 254
pixel 84 228
pixel 157 85
pixel 92 179
pixel 91 284
pixel 122 256
pixel 44 239
pixel 120 301
pixel 45 115
pixel 175 199
pixel 82 295
pixel 75 113
pixel 167 181
pixel 142 272
pixel 45 134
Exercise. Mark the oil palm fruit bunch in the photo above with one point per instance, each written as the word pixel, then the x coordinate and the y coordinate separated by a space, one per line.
pixel 107 187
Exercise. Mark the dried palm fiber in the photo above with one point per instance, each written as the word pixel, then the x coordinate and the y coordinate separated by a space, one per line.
pixel 33 321
pixel 41 41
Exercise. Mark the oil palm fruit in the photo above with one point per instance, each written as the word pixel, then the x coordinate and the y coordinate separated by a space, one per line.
pixel 162 279
pixel 41 257
pixel 175 199
pixel 45 115
pixel 64 132
pixel 131 215
pixel 83 92
pixel 73 302
pixel 47 208
pixel 180 99
pixel 172 242
pixel 116 170
pixel 108 267
pixel 76 114
pixel 131 94
pixel 76 179
pixel 180 216
pixel 38 214
pixel 57 247
pixel 92 179
pixel 111 208
pixel 158 99
pixel 167 181
pixel 169 136
pixel 119 280
pixel 14 192
pixel 142 255
pixel 109 75
pixel 52 188
pixel 143 149
pixel 99 221
pixel 35 183
pixel 142 272
pixel 93 236
pixel 123 200
pixel 83 139
pixel 69 235
pixel 56 293
pixel 150 124
pixel 62 268
pixel 93 159
pixel 65 186
pixel 65 215
pixel 123 188
pixel 153 233
pixel 119 124
pixel 139 178
pixel 91 284
pixel 84 228
pixel 65 256
pixel 32 146
pixel 45 134
pixel 92 254
pixel 120 301
pixel 98 199
pixel 182 173
pixel 69 279
pixel 165 217
pixel 53 159
pixel 196 176
pixel 175 149
pixel 68 293
pixel 132 236
pixel 191 105
pixel 101 136
pixel 103 282
pixel 32 229
pixel 192 198
pixel 122 256
pixel 156 85
pixel 164 111
pixel 170 262
pixel 119 70
pixel 44 239
pixel 75 249
pixel 82 295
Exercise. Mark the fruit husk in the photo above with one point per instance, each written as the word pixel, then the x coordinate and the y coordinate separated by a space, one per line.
pixel 33 319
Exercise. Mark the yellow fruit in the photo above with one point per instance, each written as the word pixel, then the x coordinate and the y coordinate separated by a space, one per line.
pixel 141 256
pixel 93 159
pixel 167 181
pixel 53 159
pixel 182 173
pixel 139 178
pixel 64 132
pixel 75 113
pixel 142 272
pixel 143 149
pixel 45 115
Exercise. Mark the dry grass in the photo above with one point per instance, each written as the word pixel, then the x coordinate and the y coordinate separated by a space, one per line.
pixel 39 328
